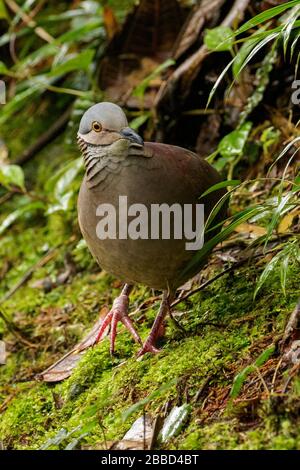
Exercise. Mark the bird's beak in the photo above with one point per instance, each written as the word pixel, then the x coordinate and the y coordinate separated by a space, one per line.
pixel 131 135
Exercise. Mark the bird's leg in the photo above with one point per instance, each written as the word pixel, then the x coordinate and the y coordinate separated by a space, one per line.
pixel 118 312
pixel 149 345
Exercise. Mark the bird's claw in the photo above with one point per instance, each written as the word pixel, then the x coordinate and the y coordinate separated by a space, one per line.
pixel 148 346
pixel 118 312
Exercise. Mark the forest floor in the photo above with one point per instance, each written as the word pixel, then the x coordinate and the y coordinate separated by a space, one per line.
pixel 205 368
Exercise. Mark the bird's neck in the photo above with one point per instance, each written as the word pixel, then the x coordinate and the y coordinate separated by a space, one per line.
pixel 100 161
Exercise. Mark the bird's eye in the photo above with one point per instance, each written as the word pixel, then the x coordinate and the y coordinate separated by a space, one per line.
pixel 96 126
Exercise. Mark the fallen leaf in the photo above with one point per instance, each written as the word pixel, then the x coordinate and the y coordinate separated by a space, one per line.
pixel 63 368
pixel 174 422
pixel 138 437
pixel 287 221
pixel 110 22
pixel 254 231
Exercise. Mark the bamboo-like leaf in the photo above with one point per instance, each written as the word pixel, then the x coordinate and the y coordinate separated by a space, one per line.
pixel 266 16
pixel 81 61
pixel 266 273
pixel 140 89
pixel 221 236
pixel 241 377
pixel 283 272
pixel 140 405
pixel 221 185
pixel 288 27
pixel 218 81
pixel 15 215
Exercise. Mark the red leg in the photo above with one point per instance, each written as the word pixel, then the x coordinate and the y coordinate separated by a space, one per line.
pixel 118 312
pixel 149 345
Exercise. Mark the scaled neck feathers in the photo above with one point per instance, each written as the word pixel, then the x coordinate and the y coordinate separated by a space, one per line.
pixel 102 161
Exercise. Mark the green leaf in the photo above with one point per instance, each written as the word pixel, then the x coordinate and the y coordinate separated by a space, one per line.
pixel 11 218
pixel 242 55
pixel 266 272
pixel 265 16
pixel 17 102
pixel 3 12
pixel 218 81
pixel 283 272
pixel 288 27
pixel 82 61
pixel 77 34
pixel 12 175
pixel 60 181
pixel 241 377
pixel 174 422
pixel 222 184
pixel 137 122
pixel 202 254
pixel 3 68
pixel 219 39
pixel 140 404
pixel 70 173
pixel 232 145
pixel 139 91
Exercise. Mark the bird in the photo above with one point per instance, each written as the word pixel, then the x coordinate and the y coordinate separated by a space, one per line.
pixel 119 164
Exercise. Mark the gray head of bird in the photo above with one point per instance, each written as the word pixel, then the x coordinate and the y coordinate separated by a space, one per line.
pixel 104 129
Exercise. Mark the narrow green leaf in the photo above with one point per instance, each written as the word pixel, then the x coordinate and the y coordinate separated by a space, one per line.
pixel 222 184
pixel 81 61
pixel 242 55
pixel 218 81
pixel 241 377
pixel 140 404
pixel 201 255
pixel 139 91
pixel 266 272
pixel 13 216
pixel 59 183
pixel 283 272
pixel 266 16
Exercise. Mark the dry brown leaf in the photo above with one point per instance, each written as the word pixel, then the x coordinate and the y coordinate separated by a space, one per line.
pixel 138 437
pixel 254 231
pixel 287 221
pixel 110 22
pixel 63 367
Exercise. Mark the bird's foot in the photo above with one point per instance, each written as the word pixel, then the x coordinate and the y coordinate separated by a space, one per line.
pixel 148 346
pixel 118 312
pixel 157 329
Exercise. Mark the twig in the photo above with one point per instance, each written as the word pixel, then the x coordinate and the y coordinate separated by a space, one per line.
pixel 188 70
pixel 41 32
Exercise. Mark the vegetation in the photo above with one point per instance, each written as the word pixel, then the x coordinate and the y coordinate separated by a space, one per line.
pixel 231 372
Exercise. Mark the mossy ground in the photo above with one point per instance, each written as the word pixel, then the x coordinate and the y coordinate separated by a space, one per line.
pixel 225 330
